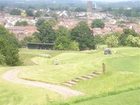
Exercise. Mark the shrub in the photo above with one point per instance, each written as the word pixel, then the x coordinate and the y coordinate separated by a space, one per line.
pixel 98 23
pixel 8 48
pixel 112 41
pixel 2 60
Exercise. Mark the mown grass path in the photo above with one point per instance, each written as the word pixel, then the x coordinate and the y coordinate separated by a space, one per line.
pixel 12 76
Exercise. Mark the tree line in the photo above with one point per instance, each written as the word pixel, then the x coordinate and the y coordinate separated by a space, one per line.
pixel 78 38
pixel 81 36
pixel 127 38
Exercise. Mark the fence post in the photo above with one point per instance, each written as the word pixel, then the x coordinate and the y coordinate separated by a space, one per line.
pixel 104 68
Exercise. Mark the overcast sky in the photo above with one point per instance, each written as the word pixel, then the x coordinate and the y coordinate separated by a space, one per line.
pixel 83 0
pixel 112 0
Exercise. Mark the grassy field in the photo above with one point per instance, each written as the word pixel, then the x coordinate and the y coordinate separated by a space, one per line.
pixel 119 86
pixel 125 98
pixel 71 65
pixel 123 74
pixel 14 94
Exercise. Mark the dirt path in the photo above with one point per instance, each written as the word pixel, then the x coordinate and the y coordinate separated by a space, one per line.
pixel 12 76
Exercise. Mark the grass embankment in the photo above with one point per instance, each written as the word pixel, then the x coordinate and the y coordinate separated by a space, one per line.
pixel 71 65
pixel 119 86
pixel 123 74
pixel 125 98
pixel 15 94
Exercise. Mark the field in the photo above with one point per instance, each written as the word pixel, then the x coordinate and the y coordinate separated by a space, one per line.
pixel 120 85
pixel 14 94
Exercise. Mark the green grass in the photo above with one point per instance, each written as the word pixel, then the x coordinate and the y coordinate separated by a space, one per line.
pixel 122 78
pixel 27 55
pixel 124 64
pixel 14 94
pixel 125 98
pixel 122 74
pixel 71 65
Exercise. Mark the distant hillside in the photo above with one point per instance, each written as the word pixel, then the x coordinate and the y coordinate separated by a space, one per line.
pixel 133 3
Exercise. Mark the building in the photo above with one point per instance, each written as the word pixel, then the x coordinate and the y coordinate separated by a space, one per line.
pixel 68 23
pixel 47 46
pixel 22 32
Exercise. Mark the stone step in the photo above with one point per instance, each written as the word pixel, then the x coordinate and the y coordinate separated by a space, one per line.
pixel 75 80
pixel 81 78
pixel 67 84
pixel 85 77
pixel 72 82
pixel 93 75
pixel 90 77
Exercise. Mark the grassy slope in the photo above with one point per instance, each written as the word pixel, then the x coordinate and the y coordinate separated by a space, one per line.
pixel 118 76
pixel 14 94
pixel 71 65
pixel 123 74
pixel 126 98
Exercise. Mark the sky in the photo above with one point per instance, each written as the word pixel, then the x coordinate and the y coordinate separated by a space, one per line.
pixel 83 0
pixel 113 0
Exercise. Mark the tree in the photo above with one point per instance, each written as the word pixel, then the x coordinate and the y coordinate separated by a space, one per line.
pixel 15 12
pixel 83 35
pixel 29 12
pixel 8 48
pixel 112 41
pixel 40 22
pixel 80 9
pixel 99 39
pixel 21 23
pixel 2 59
pixel 133 41
pixel 125 34
pixel 25 41
pixel 38 14
pixel 97 23
pixel 130 32
pixel 74 46
pixel 46 33
pixel 63 41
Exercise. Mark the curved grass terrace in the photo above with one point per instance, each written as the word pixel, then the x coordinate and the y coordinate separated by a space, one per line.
pixel 120 85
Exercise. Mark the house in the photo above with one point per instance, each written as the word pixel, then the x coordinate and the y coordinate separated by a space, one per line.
pixel 69 23
pixel 22 32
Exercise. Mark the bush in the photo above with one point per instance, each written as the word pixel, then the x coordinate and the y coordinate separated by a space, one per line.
pixel 133 41
pixel 8 48
pixel 98 23
pixel 112 41
pixel 83 35
pixel 2 60
pixel 74 46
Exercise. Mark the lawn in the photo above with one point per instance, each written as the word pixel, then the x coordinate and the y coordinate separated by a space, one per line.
pixel 71 65
pixel 14 94
pixel 125 98
pixel 123 74
pixel 122 78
